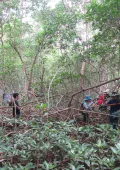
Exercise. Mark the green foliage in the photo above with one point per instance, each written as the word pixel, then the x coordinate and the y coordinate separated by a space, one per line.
pixel 59 25
pixel 104 17
pixel 63 76
pixel 53 145
pixel 42 107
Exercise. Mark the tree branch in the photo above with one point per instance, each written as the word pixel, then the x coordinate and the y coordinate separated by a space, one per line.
pixel 83 90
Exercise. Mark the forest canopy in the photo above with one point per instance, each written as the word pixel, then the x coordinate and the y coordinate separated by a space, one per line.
pixel 38 39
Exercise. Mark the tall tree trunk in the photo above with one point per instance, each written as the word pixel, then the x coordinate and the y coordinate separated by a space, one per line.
pixel 81 82
pixel 32 68
pixel 21 49
pixel 3 55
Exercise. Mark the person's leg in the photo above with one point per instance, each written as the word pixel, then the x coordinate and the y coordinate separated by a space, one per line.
pixel 87 117
pixel 111 120
pixel 18 115
pixel 115 122
pixel 84 117
pixel 13 115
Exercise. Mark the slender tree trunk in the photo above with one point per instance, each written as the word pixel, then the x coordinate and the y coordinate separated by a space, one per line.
pixel 21 49
pixel 81 82
pixel 42 79
pixel 32 68
pixel 3 57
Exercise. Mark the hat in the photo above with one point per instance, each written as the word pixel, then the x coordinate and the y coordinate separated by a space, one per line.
pixel 106 91
pixel 87 98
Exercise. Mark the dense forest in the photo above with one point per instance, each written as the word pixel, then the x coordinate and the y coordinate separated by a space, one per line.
pixel 57 55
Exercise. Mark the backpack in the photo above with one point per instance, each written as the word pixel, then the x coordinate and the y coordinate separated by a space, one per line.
pixel 10 103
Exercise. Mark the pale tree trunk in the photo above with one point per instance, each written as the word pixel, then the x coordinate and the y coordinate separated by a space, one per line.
pixel 82 71
pixel 81 82
pixel 41 90
pixel 3 55
pixel 103 75
pixel 21 50
pixel 30 78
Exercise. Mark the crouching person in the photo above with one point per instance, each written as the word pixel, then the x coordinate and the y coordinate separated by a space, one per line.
pixel 88 106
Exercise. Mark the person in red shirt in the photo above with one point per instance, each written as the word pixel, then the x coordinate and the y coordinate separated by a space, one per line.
pixel 101 101
pixel 102 98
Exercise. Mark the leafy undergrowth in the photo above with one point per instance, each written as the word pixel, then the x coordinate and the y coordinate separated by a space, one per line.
pixel 59 146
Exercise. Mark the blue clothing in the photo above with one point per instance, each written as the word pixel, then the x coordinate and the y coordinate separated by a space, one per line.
pixel 113 115
pixel 114 108
pixel 87 106
pixel 87 98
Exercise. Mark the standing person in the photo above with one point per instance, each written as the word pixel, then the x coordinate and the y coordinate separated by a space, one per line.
pixel 114 107
pixel 16 108
pixel 101 101
pixel 87 105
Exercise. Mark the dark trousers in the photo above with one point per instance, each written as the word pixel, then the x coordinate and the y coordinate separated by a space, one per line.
pixel 17 114
pixel 114 120
pixel 85 117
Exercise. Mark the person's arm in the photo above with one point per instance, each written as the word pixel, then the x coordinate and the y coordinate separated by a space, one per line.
pixel 17 105
pixel 110 103
pixel 85 106
pixel 114 104
pixel 88 106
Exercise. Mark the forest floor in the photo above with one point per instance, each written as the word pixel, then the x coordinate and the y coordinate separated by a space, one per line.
pixel 35 143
